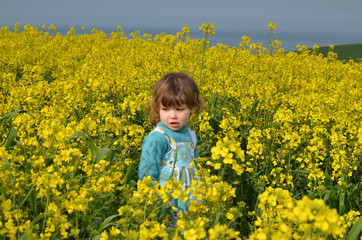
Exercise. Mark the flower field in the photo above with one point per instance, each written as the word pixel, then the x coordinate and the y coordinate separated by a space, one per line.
pixel 280 138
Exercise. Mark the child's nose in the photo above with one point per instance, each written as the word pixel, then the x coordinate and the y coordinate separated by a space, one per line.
pixel 173 114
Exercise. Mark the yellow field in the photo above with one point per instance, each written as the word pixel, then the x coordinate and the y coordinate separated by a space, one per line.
pixel 279 141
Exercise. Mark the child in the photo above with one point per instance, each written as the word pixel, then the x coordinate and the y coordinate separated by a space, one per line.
pixel 171 146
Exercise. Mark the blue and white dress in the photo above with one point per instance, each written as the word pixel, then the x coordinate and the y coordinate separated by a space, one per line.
pixel 165 151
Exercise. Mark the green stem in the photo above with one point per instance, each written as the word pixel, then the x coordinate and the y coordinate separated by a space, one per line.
pixel 202 59
pixel 46 213
pixel 183 61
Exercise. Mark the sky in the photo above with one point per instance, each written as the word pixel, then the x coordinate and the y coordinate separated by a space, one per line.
pixel 309 22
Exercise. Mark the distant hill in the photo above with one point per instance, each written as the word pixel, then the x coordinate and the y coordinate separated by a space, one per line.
pixel 345 52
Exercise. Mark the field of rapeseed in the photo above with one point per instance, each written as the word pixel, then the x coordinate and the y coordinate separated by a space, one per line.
pixel 279 140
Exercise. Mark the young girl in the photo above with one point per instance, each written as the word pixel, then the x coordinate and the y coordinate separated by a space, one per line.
pixel 171 146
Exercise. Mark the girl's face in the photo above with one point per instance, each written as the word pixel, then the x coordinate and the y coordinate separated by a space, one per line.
pixel 175 118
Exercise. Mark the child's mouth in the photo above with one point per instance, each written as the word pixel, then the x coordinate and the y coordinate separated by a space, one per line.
pixel 174 124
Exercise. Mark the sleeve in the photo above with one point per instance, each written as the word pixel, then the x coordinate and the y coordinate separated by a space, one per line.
pixel 154 147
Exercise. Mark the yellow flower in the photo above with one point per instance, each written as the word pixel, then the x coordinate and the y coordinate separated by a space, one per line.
pixel 270 120
pixel 52 27
pixel 208 29
pixel 223 232
pixel 104 236
pixel 272 26
pixel 230 216
pixel 114 231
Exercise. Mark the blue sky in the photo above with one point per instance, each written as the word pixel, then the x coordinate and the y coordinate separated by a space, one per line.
pixel 321 22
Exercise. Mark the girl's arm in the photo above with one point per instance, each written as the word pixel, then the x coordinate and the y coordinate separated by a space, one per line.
pixel 154 147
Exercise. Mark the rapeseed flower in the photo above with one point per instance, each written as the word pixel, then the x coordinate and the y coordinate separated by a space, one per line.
pixel 223 232
pixel 73 120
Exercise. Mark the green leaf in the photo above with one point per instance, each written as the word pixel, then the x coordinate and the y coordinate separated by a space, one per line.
pixel 10 140
pixel 129 173
pixel 327 195
pixel 311 195
pixel 76 166
pixel 7 117
pixel 110 156
pixel 132 183
pixel 96 237
pixel 107 222
pixel 78 134
pixel 355 230
pixel 341 204
pixel 101 154
pixel 32 198
pixel 92 148
pixel 24 236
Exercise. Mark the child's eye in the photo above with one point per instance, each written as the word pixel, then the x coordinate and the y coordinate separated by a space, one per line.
pixel 164 109
pixel 180 109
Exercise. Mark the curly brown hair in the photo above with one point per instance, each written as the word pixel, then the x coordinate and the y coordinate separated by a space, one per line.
pixel 172 90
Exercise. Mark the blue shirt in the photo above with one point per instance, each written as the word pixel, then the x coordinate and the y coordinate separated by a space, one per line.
pixel 154 148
